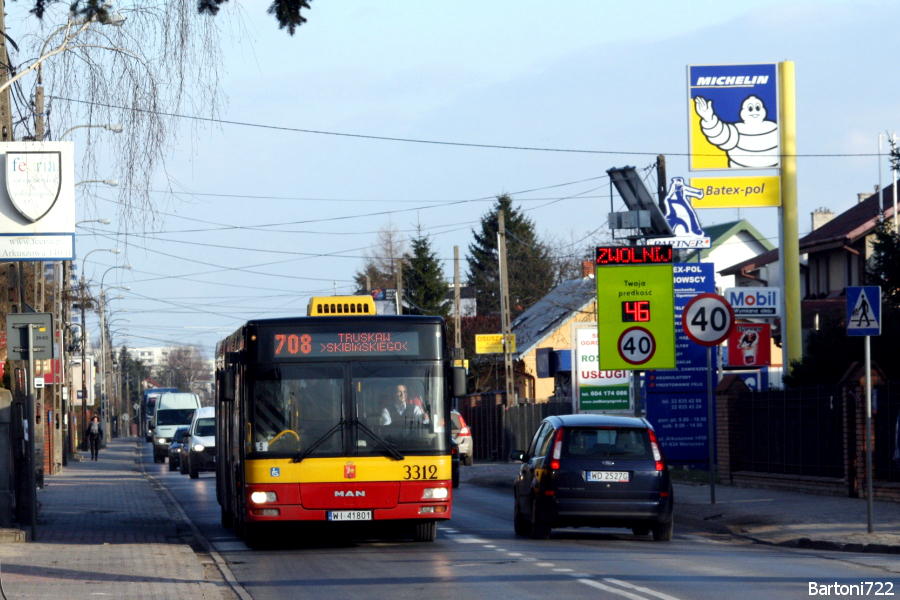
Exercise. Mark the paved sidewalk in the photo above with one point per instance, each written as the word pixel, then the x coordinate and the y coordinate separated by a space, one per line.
pixel 104 530
pixel 765 516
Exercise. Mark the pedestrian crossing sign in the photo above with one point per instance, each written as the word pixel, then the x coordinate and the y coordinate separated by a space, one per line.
pixel 864 310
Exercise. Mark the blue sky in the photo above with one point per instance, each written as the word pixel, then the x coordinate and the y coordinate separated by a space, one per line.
pixel 603 77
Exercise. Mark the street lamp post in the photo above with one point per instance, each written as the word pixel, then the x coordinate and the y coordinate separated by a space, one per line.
pixel 84 394
pixel 104 404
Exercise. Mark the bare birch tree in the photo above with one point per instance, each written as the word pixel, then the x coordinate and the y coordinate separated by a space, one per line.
pixel 139 65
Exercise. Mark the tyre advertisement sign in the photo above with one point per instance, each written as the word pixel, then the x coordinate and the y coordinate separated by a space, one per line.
pixel 749 345
pixel 596 390
pixel 733 117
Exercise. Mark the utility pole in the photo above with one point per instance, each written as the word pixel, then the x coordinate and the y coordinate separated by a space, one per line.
pixel 504 310
pixel 661 181
pixel 400 287
pixel 457 321
pixel 6 131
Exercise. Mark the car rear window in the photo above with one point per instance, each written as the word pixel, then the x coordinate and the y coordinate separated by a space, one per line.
pixel 454 423
pixel 585 442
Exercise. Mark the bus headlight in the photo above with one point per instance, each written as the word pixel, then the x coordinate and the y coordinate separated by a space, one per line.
pixel 262 497
pixel 198 447
pixel 435 494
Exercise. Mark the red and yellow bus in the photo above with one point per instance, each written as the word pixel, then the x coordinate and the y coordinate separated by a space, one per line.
pixel 344 417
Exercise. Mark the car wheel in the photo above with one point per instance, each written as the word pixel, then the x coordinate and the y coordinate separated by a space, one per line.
pixel 663 532
pixel 520 523
pixel 194 472
pixel 183 467
pixel 468 460
pixel 540 529
pixel 640 530
pixel 425 532
pixel 172 465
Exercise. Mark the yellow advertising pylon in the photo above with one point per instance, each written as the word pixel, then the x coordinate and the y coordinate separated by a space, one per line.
pixel 791 335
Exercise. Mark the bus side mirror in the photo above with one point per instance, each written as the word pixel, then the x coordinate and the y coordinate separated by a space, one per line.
pixel 458 383
pixel 226 380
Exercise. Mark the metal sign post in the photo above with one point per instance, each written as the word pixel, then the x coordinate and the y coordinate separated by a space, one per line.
pixel 864 319
pixel 708 320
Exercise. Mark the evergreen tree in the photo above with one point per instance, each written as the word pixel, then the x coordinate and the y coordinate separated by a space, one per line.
pixel 531 269
pixel 425 290
pixel 883 268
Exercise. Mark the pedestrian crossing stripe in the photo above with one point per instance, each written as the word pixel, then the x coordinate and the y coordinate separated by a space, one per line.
pixel 864 310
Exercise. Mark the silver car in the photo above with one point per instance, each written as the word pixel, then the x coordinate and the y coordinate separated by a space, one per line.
pixel 463 436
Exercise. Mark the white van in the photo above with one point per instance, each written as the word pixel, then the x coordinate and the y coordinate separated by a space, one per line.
pixel 173 410
pixel 200 448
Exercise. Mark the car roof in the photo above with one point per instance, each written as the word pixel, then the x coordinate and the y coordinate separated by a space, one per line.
pixel 591 420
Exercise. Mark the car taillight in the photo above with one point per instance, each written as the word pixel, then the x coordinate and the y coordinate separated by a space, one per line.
pixel 464 432
pixel 657 455
pixel 454 450
pixel 557 450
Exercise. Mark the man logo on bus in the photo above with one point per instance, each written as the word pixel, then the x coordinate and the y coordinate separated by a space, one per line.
pixel 349 471
pixel 752 143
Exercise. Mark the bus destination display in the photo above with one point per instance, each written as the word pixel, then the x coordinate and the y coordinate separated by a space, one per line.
pixel 316 343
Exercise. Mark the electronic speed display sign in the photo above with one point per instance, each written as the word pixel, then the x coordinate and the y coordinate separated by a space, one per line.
pixel 635 307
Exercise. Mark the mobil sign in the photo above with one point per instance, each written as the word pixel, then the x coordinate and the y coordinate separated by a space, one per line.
pixel 759 302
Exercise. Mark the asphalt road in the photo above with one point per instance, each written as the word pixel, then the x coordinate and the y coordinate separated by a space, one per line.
pixel 476 555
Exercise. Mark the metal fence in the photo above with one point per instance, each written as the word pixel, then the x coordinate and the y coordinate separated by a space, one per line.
pixel 886 431
pixel 497 430
pixel 795 432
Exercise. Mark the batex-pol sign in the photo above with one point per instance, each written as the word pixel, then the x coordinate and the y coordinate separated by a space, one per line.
pixel 635 307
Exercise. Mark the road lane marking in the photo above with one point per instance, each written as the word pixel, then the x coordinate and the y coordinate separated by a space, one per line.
pixel 545 564
pixel 606 588
pixel 562 570
pixel 638 588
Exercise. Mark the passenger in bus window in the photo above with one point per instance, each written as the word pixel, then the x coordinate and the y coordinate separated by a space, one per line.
pixel 400 409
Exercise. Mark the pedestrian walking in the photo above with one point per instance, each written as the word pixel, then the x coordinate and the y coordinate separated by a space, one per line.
pixel 92 434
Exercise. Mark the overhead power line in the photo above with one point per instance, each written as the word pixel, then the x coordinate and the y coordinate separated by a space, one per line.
pixel 431 142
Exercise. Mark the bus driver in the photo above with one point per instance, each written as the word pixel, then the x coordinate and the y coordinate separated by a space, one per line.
pixel 400 410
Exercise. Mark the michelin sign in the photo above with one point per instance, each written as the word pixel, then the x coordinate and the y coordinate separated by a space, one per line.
pixel 733 115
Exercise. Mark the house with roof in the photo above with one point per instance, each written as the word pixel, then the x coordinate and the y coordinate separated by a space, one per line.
pixel 836 250
pixel 730 243
pixel 548 324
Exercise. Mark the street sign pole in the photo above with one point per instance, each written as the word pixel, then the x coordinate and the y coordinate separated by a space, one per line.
pixel 710 422
pixel 32 433
pixel 864 319
pixel 871 527
pixel 708 320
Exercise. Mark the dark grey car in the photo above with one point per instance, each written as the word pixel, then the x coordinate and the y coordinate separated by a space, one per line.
pixel 176 448
pixel 595 471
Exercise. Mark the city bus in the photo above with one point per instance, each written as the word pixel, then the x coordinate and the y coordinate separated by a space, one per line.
pixel 309 425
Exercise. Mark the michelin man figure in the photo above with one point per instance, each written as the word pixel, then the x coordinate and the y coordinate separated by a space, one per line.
pixel 752 143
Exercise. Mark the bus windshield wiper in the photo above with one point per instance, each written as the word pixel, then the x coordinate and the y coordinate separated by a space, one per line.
pixel 391 449
pixel 299 457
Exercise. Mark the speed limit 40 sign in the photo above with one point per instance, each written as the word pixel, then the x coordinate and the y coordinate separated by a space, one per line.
pixel 708 319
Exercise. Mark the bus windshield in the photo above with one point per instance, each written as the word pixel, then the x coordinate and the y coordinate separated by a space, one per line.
pixel 382 409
